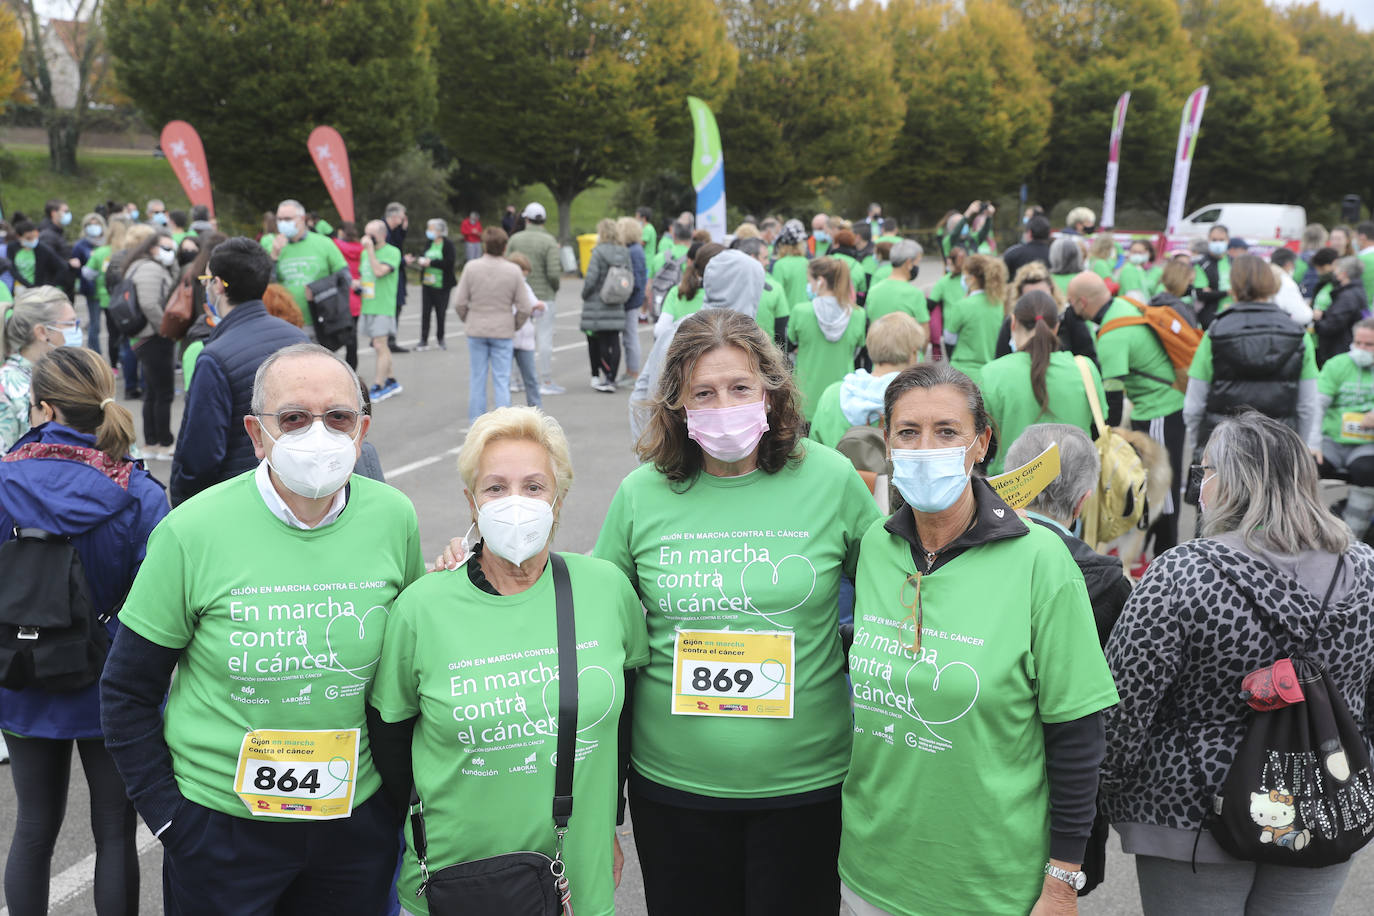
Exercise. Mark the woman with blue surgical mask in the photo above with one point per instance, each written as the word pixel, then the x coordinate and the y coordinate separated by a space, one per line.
pixel 978 684
pixel 41 320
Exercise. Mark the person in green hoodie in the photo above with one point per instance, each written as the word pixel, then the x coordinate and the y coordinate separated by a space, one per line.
pixel 827 331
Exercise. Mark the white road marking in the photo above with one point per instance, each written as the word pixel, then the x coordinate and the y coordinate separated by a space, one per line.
pixel 415 466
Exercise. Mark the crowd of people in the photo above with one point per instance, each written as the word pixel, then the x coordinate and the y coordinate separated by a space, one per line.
pixel 813 641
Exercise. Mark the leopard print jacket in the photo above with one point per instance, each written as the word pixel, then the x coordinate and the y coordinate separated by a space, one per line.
pixel 1184 642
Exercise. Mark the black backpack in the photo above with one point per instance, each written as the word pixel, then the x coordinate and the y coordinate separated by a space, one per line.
pixel 127 318
pixel 1300 787
pixel 50 634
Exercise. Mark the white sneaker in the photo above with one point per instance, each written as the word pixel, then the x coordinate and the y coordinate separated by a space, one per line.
pixel 517 385
pixel 4 750
pixel 605 386
pixel 550 388
pixel 420 348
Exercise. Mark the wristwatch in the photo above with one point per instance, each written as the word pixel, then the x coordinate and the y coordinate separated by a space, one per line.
pixel 1074 879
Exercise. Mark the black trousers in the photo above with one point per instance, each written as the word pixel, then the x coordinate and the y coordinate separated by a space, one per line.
pixel 432 301
pixel 41 768
pixel 155 359
pixel 1164 530
pixel 778 861
pixel 216 864
pixel 603 352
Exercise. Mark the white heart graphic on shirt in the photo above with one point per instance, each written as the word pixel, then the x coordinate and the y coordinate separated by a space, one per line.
pixel 552 713
pixel 356 628
pixel 758 575
pixel 956 681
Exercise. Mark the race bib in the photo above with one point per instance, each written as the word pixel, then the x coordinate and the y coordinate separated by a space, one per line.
pixel 736 674
pixel 301 774
pixel 432 277
pixel 369 289
pixel 1351 427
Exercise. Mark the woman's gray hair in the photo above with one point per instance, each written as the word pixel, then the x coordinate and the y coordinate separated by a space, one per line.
pixel 1079 467
pixel 259 402
pixel 1351 267
pixel 903 251
pixel 33 308
pixel 1267 489
pixel 1066 257
pixel 440 227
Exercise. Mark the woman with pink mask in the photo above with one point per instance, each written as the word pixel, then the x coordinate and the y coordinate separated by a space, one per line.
pixel 736 532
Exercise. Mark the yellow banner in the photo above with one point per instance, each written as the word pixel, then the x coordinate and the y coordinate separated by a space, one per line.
pixel 1017 488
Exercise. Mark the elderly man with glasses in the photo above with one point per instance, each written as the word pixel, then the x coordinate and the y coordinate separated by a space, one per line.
pixel 213 444
pixel 269 595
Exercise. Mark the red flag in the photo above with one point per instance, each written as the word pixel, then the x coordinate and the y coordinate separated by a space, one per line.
pixel 331 158
pixel 186 155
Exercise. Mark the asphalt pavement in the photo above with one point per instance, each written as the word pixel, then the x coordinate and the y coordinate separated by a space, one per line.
pixel 417 435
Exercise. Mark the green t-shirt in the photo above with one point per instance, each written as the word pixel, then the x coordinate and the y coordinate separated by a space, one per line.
pixel 481 673
pixel 433 275
pixel 821 361
pixel 948 292
pixel 100 257
pixel 1201 367
pixel 1351 390
pixel 309 258
pixel 1007 394
pixel 977 320
pixel 857 277
pixel 1299 270
pixel 5 294
pixel 949 748
pixel 1367 263
pixel 188 362
pixel 896 296
pixel 281 627
pixel 791 272
pixel 1102 267
pixel 760 552
pixel 829 424
pixel 379 293
pixel 773 305
pixel 1127 352
pixel 679 308
pixel 1223 281
pixel 649 237
pixel 25 265
pixel 1143 282
pixel 1322 300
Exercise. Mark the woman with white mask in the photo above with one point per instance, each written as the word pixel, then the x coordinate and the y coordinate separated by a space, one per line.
pixel 736 533
pixel 39 321
pixel 468 695
pixel 978 684
pixel 151 268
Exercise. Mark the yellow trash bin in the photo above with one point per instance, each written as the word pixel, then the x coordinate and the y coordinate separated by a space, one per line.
pixel 585 244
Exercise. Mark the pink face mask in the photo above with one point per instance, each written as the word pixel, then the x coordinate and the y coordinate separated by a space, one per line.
pixel 728 433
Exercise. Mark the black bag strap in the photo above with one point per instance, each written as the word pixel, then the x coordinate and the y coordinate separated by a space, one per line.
pixel 38 534
pixel 567 728
pixel 1277 628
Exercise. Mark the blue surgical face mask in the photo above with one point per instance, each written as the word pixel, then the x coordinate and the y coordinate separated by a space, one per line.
pixel 94 230
pixel 29 243
pixel 133 214
pixel 810 292
pixel 821 235
pixel 66 218
pixel 963 282
pixel 1216 249
pixel 160 218
pixel 72 337
pixel 930 479
pixel 431 234
pixel 287 227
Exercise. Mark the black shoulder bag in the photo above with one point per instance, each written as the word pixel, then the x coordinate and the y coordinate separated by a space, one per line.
pixel 517 883
pixel 1300 791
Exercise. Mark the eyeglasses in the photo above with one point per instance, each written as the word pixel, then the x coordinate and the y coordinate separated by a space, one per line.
pixel 295 419
pixel 1199 468
pixel 72 323
pixel 206 278
pixel 911 599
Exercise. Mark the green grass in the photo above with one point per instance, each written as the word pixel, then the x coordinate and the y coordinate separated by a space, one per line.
pixel 26 183
pixel 587 207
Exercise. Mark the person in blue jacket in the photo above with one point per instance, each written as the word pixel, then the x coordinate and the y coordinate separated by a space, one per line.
pixel 70 475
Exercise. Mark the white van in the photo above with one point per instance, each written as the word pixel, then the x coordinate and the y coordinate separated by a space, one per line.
pixel 1256 223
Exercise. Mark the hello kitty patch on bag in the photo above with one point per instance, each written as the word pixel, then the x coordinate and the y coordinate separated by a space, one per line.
pixel 1300 791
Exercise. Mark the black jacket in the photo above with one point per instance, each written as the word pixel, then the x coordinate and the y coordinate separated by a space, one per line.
pixel 213 445
pixel 1209 299
pixel 1108 587
pixel 49 268
pixel 1019 256
pixel 1257 353
pixel 1335 328
pixel 1074 337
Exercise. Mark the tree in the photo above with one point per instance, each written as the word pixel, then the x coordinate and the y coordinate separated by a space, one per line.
pixel 255 79
pixel 11 49
pixel 1265 130
pixel 813 103
pixel 1091 51
pixel 977 109
pixel 1342 54
pixel 48 77
pixel 574 91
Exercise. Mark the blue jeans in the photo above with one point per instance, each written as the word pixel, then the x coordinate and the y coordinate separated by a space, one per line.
pixel 483 352
pixel 525 360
